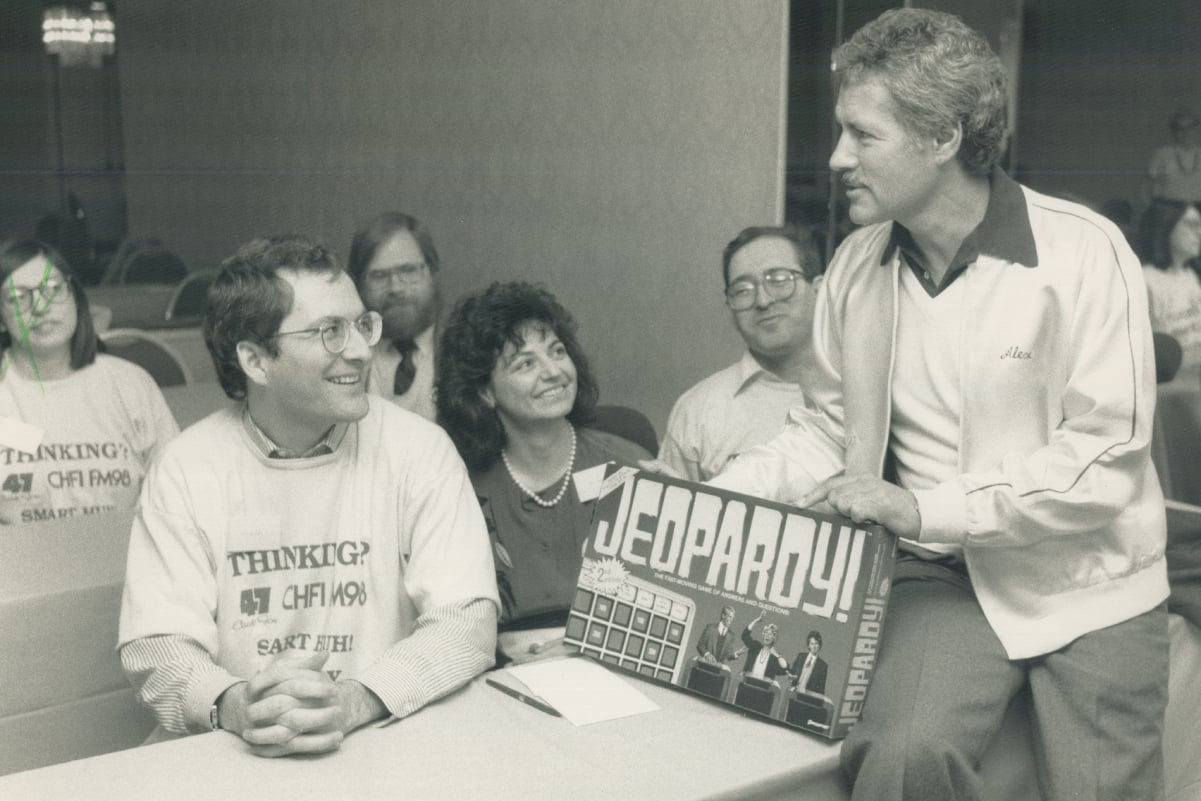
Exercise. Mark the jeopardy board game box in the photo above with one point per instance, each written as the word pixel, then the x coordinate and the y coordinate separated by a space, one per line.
pixel 769 608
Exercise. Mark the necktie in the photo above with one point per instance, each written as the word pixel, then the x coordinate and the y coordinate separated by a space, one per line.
pixel 806 670
pixel 407 369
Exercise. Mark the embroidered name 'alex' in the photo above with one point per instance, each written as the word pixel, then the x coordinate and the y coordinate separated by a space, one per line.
pixel 1015 353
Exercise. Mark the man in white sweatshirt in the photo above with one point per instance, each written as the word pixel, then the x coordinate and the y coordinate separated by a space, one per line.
pixel 311 558
pixel 985 390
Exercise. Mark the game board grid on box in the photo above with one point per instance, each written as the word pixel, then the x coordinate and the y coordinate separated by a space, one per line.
pixel 641 627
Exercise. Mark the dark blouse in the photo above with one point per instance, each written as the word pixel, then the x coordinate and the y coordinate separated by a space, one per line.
pixel 537 550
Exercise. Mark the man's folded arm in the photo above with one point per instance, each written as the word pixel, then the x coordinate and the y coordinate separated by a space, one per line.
pixel 450 645
pixel 449 575
pixel 176 679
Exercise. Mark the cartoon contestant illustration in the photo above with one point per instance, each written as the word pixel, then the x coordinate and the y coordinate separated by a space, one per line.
pixel 763 661
pixel 716 643
pixel 809 668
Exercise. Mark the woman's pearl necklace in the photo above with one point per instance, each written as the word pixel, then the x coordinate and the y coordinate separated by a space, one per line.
pixel 535 496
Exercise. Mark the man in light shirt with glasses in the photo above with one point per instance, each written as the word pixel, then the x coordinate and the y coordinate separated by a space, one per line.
pixel 311 558
pixel 394 264
pixel 771 276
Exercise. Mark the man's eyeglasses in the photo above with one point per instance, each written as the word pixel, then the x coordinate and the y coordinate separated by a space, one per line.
pixel 405 273
pixel 779 283
pixel 335 333
pixel 37 298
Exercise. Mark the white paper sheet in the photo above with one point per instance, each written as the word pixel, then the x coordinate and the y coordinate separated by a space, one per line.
pixel 583 691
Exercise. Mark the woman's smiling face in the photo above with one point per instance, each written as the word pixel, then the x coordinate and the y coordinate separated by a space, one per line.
pixel 534 379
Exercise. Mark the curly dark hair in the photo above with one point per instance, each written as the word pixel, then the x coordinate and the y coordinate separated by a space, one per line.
pixel 248 300
pixel 472 340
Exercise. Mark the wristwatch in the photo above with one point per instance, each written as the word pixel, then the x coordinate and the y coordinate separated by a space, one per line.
pixel 215 714
pixel 215 709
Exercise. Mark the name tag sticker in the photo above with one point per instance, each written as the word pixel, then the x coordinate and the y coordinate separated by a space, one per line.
pixel 19 435
pixel 615 481
pixel 588 482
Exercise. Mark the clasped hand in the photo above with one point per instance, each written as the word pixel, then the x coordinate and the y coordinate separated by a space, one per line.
pixel 293 707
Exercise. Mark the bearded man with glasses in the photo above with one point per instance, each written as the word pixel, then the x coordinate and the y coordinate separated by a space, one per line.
pixel 311 558
pixel 771 276
pixel 395 265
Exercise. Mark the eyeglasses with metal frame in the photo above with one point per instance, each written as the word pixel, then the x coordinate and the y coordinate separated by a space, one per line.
pixel 38 298
pixel 778 282
pixel 405 273
pixel 335 332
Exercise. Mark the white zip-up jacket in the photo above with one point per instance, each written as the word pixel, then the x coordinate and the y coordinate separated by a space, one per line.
pixel 1056 505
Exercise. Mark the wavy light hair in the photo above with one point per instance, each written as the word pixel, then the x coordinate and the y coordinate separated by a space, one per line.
pixel 940 74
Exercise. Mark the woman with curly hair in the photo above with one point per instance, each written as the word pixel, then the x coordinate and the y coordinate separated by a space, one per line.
pixel 516 395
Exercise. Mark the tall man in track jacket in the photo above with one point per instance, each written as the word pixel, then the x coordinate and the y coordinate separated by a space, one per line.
pixel 986 392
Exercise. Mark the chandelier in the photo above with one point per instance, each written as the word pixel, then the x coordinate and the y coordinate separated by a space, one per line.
pixel 79 38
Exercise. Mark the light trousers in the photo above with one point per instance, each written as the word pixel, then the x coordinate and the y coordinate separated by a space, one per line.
pixel 943 682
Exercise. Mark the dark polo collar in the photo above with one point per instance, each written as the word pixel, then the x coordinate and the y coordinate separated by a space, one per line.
pixel 1004 233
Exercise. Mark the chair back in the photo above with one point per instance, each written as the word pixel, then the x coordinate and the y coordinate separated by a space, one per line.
pixel 1168 356
pixel 148 352
pixel 143 259
pixel 627 423
pixel 187 303
pixel 155 267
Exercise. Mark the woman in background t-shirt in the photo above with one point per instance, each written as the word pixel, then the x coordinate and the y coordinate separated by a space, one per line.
pixel 77 428
pixel 1170 244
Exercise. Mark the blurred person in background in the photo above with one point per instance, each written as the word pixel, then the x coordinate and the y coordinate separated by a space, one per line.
pixel 1170 248
pixel 82 426
pixel 1175 169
